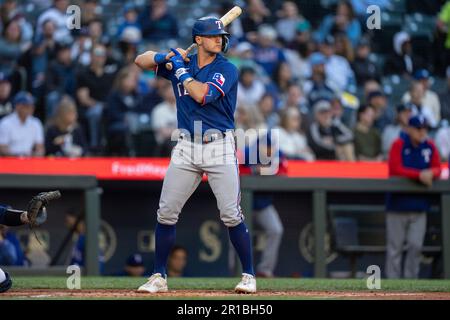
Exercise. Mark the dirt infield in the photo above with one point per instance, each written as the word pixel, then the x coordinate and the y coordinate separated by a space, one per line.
pixel 195 294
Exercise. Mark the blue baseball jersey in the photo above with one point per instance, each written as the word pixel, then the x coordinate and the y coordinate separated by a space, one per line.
pixel 219 103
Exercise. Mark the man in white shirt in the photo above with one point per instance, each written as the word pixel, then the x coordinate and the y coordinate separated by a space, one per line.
pixel 337 68
pixel 417 93
pixel 164 118
pixel 21 134
pixel 430 98
pixel 57 14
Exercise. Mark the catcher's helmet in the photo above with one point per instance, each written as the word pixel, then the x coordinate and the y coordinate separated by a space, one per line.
pixel 210 26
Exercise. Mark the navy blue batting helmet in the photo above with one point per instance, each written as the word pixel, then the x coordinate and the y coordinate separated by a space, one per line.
pixel 210 26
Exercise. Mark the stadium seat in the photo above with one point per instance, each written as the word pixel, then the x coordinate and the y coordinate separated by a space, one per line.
pixel 395 86
pixel 398 6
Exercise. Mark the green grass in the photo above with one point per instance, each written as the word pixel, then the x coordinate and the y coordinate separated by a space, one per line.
pixel 278 284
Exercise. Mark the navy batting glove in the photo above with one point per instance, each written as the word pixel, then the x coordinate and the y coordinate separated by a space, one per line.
pixel 179 67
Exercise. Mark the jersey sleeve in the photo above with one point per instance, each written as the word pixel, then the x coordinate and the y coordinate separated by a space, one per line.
pixel 396 167
pixel 220 82
pixel 435 161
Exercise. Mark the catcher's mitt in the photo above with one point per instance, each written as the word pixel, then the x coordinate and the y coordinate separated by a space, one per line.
pixel 36 212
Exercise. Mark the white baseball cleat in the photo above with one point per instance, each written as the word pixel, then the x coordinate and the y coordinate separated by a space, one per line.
pixel 156 283
pixel 247 284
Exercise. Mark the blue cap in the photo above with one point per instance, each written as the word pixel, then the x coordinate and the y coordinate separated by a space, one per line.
pixel 23 97
pixel 208 26
pixel 135 260
pixel 418 122
pixel 421 74
pixel 317 58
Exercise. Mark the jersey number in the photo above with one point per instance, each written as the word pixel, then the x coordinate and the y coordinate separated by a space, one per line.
pixel 181 90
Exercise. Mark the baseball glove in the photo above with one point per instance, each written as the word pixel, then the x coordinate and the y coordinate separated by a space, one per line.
pixel 36 211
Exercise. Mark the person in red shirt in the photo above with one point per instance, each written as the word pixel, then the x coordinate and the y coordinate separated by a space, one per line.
pixel 413 156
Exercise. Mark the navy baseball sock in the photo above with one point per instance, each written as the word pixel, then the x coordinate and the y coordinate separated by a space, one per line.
pixel 164 241
pixel 240 237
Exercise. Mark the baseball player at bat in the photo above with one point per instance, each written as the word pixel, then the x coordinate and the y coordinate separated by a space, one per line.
pixel 35 215
pixel 205 87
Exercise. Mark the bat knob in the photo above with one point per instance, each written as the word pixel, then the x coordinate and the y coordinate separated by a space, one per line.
pixel 169 66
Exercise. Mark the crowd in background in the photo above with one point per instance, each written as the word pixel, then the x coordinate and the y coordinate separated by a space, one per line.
pixel 335 89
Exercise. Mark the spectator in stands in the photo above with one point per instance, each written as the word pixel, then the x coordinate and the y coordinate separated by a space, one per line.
pixel 367 137
pixel 327 141
pixel 157 23
pixel 93 86
pixel 60 77
pixel 384 115
pixel 266 53
pixel 392 131
pixel 6 106
pixel 64 138
pixel 363 67
pixel 343 134
pixel 430 98
pixel 338 70
pixel 343 21
pixel 403 61
pixel 122 112
pixel 444 98
pixel 177 261
pixel 442 140
pixel 299 50
pixel 282 78
pixel 130 18
pixel 130 39
pixel 164 120
pixel 296 99
pixel 344 48
pixel 317 88
pixel 89 12
pixel 57 14
pixel 250 87
pixel 266 107
pixel 417 93
pixel 21 134
pixel 294 143
pixel 289 18
pixel 43 51
pixel 255 15
pixel 412 156
pixel 81 48
pixel 134 266
pixel 11 46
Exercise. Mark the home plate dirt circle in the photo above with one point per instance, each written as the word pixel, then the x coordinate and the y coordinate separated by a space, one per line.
pixel 127 294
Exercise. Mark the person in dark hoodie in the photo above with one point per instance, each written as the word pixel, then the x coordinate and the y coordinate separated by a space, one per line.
pixel 413 156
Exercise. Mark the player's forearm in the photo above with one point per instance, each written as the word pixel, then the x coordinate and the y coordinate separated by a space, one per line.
pixel 150 59
pixel 197 90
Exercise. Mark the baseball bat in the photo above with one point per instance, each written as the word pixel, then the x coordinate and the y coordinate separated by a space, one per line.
pixel 227 18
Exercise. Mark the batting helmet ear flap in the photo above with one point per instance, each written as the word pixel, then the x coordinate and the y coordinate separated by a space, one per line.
pixel 225 43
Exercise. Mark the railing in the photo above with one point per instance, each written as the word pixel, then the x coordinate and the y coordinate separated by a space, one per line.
pixel 319 189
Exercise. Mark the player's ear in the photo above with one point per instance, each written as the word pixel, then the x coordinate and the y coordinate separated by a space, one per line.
pixel 198 40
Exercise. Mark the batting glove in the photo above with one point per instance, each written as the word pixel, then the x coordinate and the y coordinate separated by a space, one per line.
pixel 179 66
pixel 160 57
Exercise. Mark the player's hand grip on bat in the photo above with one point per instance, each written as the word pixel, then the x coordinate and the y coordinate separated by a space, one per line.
pixel 179 66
